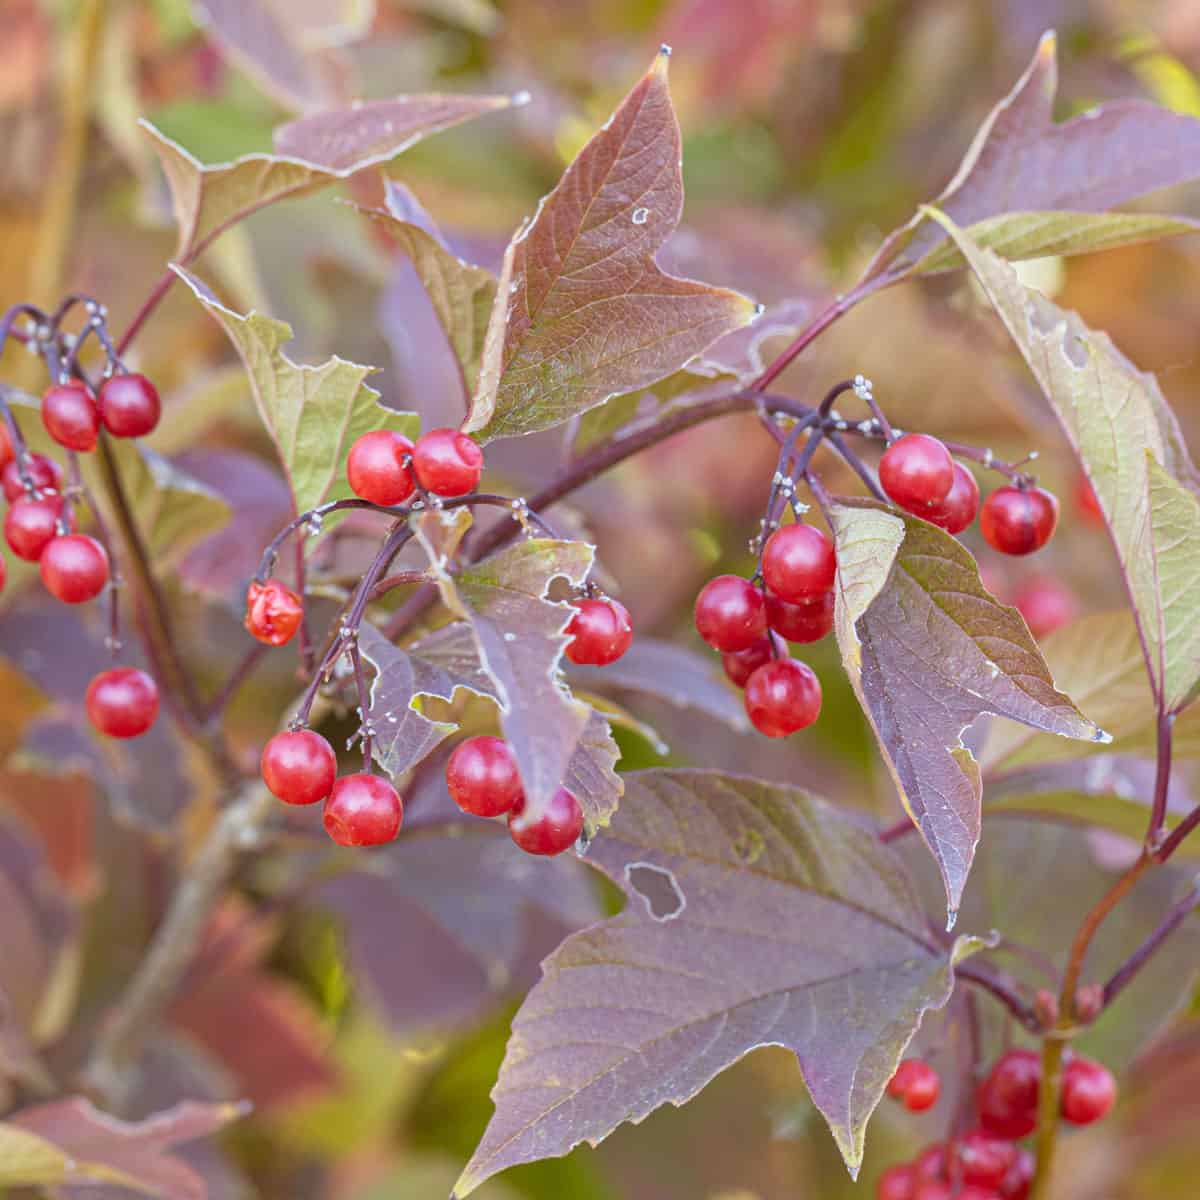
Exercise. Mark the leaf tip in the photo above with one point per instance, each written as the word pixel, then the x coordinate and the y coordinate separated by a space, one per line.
pixel 1101 736
pixel 1047 49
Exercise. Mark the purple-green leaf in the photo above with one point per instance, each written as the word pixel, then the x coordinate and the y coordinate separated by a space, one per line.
pixel 583 312
pixel 929 650
pixel 757 915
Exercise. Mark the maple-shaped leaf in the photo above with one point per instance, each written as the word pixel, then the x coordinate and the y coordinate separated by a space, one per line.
pixel 757 915
pixel 583 312
pixel 313 414
pixel 1129 442
pixel 71 1142
pixel 928 651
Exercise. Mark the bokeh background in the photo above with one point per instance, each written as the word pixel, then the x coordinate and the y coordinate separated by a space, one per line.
pixel 356 1013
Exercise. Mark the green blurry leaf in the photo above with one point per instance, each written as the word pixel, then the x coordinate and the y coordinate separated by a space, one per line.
pixel 313 414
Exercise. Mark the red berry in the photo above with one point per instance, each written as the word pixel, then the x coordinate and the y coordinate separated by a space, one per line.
pixel 273 612
pixel 932 1189
pixel 1008 1098
pixel 917 472
pixel 363 810
pixel 931 1162
pixel 916 1083
pixel 800 622
pixel 730 613
pixel 1046 604
pixel 961 504
pixel 1088 1091
pixel 7 453
pixel 74 568
pixel 376 469
pixel 129 405
pixel 741 664
pixel 123 702
pixel 1018 520
pixel 3 572
pixel 549 832
pixel 601 632
pixel 30 525
pixel 299 766
pixel 447 463
pixel 1019 1180
pixel 45 473
pixel 782 697
pixel 70 416
pixel 897 1183
pixel 1085 498
pixel 799 563
pixel 985 1160
pixel 482 777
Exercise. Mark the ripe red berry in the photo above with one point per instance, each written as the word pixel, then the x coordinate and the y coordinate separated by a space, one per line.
pixel 30 525
pixel 3 573
pixel 7 453
pixel 1088 1091
pixel 482 777
pixel 123 702
pixel 1019 1181
pixel 931 1162
pixel 800 622
pixel 376 469
pixel 363 810
pixel 799 563
pixel 299 766
pixel 129 405
pixel 917 472
pixel 552 831
pixel 916 1083
pixel 70 416
pixel 741 664
pixel 74 568
pixel 1086 499
pixel 1046 604
pixel 730 613
pixel 984 1159
pixel 45 473
pixel 1008 1098
pixel 897 1183
pixel 932 1189
pixel 961 504
pixel 601 632
pixel 1018 520
pixel 447 463
pixel 273 612
pixel 782 697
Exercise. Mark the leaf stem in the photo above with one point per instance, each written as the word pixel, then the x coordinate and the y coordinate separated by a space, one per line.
pixel 152 301
pixel 1004 988
pixel 1162 780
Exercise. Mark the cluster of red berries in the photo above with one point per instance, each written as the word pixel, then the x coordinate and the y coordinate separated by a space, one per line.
pixel 986 1163
pixel 917 472
pixel 40 525
pixel 750 625
pixel 386 468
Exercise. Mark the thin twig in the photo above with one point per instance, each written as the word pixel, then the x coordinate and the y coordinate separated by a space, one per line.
pixel 1003 987
pixel 1176 915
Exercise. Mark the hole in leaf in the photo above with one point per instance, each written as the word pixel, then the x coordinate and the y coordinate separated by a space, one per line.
pixel 748 846
pixel 657 887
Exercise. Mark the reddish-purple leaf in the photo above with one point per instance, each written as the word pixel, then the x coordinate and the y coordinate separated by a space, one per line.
pixel 583 312
pixel 756 915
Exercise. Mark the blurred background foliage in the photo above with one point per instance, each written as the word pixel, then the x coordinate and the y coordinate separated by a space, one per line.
pixel 366 1035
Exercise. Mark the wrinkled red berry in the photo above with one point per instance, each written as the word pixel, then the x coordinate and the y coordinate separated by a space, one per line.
pixel 299 766
pixel 800 622
pixel 916 1083
pixel 362 810
pixel 1088 1091
pixel 552 831
pixel 782 697
pixel 1008 1098
pixel 730 613
pixel 1046 604
pixel 70 416
pixel 447 463
pixel 482 777
pixel 917 472
pixel 123 702
pixel 985 1159
pixel 799 563
pixel 600 632
pixel 273 612
pixel 30 525
pixel 958 509
pixel 74 568
pixel 897 1183
pixel 129 405
pixel 45 473
pixel 376 469
pixel 741 664
pixel 1018 521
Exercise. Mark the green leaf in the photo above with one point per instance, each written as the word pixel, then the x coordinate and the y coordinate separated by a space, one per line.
pixel 583 312
pixel 1118 421
pixel 313 414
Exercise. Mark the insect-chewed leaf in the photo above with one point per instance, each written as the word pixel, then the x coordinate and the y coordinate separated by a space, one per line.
pixel 313 414
pixel 757 915
pixel 928 651
pixel 1022 165
pixel 1133 453
pixel 583 312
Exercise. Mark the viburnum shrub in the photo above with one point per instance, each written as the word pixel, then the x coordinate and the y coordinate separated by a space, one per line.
pixel 561 625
